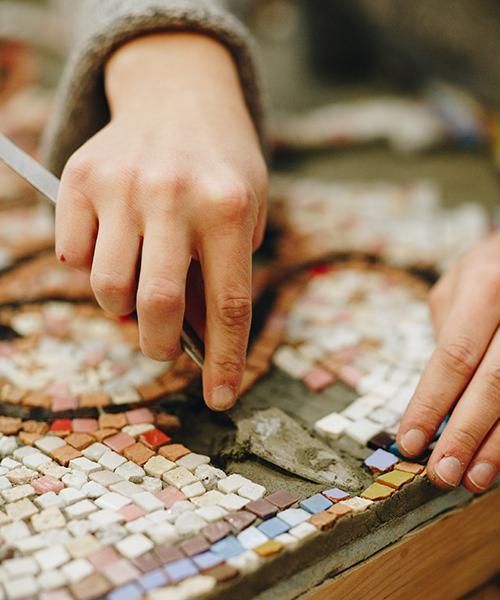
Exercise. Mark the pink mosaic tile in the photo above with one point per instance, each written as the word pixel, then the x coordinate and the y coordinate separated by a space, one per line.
pixel 139 416
pixel 84 425
pixel 47 483
pixel 119 441
pixel 131 512
pixel 170 495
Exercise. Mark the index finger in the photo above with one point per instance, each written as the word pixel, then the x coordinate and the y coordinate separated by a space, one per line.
pixel 227 271
pixel 463 340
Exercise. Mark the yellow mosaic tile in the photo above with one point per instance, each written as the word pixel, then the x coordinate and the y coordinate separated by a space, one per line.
pixel 269 548
pixel 395 479
pixel 377 491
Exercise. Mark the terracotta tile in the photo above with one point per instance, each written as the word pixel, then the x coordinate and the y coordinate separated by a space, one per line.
pixel 64 454
pixel 282 499
pixel 324 520
pixel 90 587
pixel 139 416
pixel 37 400
pixel 339 510
pixel 377 491
pixel 112 421
pixel 395 479
pixel 194 545
pixel 174 451
pixel 102 434
pixel 80 441
pixel 167 422
pixel 216 531
pixel 269 548
pixel 10 425
pixel 84 425
pixel 154 439
pixel 29 438
pixel 119 441
pixel 262 508
pixel 409 467
pixel 239 520
pixel 32 426
pixel 97 400
pixel 222 572
pixel 138 453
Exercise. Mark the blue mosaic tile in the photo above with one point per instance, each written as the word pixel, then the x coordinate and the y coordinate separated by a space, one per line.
pixel 315 504
pixel 229 547
pixel 395 450
pixel 153 579
pixel 131 591
pixel 335 494
pixel 180 569
pixel 273 527
pixel 207 560
pixel 294 516
pixel 381 461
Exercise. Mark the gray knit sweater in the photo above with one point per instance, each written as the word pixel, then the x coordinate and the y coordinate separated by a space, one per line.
pixel 103 25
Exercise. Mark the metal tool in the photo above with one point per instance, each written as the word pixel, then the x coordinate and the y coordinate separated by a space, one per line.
pixel 48 184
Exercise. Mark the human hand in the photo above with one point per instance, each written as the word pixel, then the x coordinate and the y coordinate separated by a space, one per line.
pixel 174 183
pixel 463 376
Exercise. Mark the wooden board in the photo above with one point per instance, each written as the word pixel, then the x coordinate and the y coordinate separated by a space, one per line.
pixel 444 559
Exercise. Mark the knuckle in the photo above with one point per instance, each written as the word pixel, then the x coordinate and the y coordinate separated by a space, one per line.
pixel 463 442
pixel 109 285
pixel 161 298
pixel 492 381
pixel 78 170
pixel 233 203
pixel 234 311
pixel 228 365
pixel 459 357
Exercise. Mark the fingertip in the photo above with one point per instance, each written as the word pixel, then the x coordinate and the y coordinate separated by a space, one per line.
pixel 221 398
pixel 412 443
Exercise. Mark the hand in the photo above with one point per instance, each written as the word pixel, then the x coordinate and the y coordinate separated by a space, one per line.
pixel 175 179
pixel 463 376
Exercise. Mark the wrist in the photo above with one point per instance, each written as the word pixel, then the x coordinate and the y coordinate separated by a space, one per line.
pixel 160 70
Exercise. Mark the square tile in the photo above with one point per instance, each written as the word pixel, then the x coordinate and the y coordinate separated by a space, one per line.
pixel 173 452
pixel 239 520
pixel 119 442
pixel 273 527
pixel 180 569
pixel 294 516
pixel 377 491
pixel 251 537
pixel 335 495
pixel 318 379
pixel 227 547
pixel 154 438
pixel 262 508
pixel 207 560
pixel 380 461
pixel 409 467
pixel 324 520
pixel 340 510
pixel 138 453
pixel 269 548
pixel 282 499
pixel 396 478
pixel 194 545
pixel 315 504
pixel 216 531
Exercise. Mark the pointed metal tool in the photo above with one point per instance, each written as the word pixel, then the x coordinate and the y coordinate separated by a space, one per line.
pixel 48 184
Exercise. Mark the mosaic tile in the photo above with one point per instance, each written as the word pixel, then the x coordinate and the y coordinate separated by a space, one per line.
pixel 303 531
pixel 335 494
pixel 408 467
pixel 317 379
pixel 382 440
pixel 282 499
pixel 332 426
pixel 377 491
pixel 395 479
pixel 381 461
pixel 356 504
pixel 262 508
pixel 207 560
pixel 273 527
pixel 239 520
pixel 173 452
pixel 294 516
pixel 180 569
pixel 315 504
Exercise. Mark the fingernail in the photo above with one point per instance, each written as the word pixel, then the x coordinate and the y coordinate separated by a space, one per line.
pixel 413 442
pixel 449 469
pixel 482 474
pixel 223 397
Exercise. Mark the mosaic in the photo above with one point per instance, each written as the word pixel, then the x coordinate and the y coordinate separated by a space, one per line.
pixel 61 357
pixel 404 224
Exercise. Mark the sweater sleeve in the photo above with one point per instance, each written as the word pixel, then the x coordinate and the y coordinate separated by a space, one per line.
pixel 81 107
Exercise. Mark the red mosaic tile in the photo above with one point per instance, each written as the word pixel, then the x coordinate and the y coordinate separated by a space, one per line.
pixel 155 438
pixel 61 426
